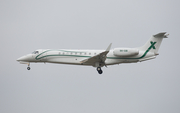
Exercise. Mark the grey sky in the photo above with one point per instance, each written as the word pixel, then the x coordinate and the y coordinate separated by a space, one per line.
pixel 147 87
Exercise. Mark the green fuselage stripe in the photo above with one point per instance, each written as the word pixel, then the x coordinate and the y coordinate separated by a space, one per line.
pixel 152 46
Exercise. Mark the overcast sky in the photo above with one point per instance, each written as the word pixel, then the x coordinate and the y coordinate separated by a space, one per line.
pixel 147 87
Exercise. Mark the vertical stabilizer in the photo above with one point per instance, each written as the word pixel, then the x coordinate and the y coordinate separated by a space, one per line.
pixel 154 43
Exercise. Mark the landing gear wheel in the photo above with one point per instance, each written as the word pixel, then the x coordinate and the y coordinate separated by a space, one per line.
pixel 28 68
pixel 99 70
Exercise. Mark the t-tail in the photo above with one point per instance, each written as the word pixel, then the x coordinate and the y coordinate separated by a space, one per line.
pixel 153 44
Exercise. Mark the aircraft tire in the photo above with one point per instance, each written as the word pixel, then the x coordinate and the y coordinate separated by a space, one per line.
pixel 100 71
pixel 28 68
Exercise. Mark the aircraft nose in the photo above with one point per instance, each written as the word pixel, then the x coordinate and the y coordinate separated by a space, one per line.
pixel 21 59
pixel 24 58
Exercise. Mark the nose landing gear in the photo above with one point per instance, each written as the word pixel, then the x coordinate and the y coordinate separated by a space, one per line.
pixel 28 68
pixel 99 70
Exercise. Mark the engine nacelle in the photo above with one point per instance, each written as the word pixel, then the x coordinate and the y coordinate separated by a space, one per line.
pixel 125 52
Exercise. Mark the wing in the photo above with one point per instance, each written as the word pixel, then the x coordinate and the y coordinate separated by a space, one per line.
pixel 100 58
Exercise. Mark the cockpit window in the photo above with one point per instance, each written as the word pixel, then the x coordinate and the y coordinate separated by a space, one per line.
pixel 35 52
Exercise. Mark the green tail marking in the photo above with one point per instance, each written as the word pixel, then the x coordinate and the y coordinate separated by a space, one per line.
pixel 152 44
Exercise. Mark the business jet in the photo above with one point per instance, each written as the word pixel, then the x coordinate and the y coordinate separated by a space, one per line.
pixel 97 58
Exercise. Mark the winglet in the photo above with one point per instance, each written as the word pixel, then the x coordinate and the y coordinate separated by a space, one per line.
pixel 109 47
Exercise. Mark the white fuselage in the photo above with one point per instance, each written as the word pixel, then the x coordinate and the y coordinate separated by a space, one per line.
pixel 75 57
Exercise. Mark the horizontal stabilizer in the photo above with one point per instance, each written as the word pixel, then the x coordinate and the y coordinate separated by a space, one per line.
pixel 161 35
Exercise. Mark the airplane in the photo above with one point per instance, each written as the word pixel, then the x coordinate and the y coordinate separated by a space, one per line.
pixel 97 58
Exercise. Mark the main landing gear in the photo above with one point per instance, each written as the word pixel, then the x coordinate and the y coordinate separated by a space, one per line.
pixel 99 70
